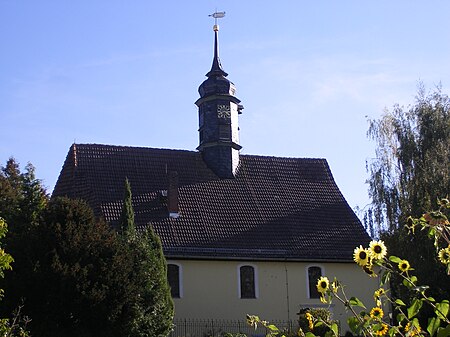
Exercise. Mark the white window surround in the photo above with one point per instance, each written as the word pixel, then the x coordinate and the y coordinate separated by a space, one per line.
pixel 255 270
pixel 322 272
pixel 180 276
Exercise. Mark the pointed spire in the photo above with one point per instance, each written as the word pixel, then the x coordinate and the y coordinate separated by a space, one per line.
pixel 216 68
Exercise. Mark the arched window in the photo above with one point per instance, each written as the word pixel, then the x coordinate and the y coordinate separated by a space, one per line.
pixel 247 281
pixel 174 279
pixel 314 273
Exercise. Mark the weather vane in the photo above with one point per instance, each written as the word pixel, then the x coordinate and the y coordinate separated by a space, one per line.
pixel 217 15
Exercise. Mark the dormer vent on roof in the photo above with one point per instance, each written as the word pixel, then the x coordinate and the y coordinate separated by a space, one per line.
pixel 218 110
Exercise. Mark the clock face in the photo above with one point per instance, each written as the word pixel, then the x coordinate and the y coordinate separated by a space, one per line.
pixel 223 111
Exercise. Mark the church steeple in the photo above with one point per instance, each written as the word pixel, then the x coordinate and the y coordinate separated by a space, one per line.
pixel 216 68
pixel 218 111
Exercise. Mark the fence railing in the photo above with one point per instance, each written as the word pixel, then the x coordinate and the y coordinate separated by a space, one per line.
pixel 218 328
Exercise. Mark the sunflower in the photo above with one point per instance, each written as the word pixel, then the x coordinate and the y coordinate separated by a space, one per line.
pixel 322 284
pixel 377 295
pixel 309 317
pixel 361 256
pixel 403 265
pixel 413 329
pixel 369 270
pixel 334 286
pixel 383 330
pixel 377 250
pixel 376 313
pixel 444 255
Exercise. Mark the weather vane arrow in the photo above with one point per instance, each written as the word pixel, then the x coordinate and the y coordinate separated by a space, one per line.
pixel 217 15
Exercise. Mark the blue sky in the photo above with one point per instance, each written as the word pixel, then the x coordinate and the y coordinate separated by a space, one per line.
pixel 309 74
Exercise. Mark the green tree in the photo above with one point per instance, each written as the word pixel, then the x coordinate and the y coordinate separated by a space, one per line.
pixel 410 173
pixel 23 200
pixel 76 275
pixel 126 221
pixel 153 308
pixel 16 326
pixel 79 283
pixel 411 170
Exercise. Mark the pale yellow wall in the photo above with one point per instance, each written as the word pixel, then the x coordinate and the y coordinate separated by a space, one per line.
pixel 210 289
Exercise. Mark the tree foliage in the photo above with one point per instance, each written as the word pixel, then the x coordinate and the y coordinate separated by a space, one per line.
pixel 410 174
pixel 16 325
pixel 75 275
pixel 126 221
pixel 153 306
pixel 22 196
pixel 411 170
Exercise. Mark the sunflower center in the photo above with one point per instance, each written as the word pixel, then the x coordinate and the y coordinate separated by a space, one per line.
pixel 362 255
pixel 377 249
pixel 323 284
pixel 404 266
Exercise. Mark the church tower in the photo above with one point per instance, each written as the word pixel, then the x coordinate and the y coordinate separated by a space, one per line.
pixel 218 111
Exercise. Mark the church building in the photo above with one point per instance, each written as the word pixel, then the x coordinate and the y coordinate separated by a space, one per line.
pixel 242 234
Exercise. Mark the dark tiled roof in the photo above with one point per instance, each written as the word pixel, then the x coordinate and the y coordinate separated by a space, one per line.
pixel 275 208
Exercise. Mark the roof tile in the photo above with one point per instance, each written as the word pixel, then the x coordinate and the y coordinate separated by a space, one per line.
pixel 275 208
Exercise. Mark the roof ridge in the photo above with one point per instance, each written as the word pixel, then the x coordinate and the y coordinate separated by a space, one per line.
pixel 78 145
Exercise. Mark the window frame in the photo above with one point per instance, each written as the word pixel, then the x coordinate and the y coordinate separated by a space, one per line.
pixel 255 281
pixel 308 285
pixel 180 278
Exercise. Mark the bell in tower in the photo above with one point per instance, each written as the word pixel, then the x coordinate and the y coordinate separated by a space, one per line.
pixel 218 111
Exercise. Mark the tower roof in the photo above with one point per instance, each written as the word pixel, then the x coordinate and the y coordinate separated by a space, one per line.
pixel 216 68
pixel 216 83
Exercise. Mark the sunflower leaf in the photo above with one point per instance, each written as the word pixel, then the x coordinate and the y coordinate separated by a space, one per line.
pixel 395 259
pixel 414 308
pixel 400 302
pixel 442 309
pixel 401 317
pixel 272 327
pixel 334 328
pixel 385 277
pixel 353 324
pixel 377 327
pixel 433 325
pixel 356 302
pixel 444 332
pixel 393 332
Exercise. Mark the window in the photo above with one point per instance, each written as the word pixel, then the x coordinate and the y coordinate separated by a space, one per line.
pixel 174 277
pixel 314 273
pixel 247 282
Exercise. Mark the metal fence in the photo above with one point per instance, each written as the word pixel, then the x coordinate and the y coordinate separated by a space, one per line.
pixel 218 328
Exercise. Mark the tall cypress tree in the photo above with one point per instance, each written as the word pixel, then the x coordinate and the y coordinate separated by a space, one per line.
pixel 152 308
pixel 126 221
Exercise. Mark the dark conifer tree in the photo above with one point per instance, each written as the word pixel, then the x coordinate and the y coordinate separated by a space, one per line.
pixel 126 222
pixel 152 309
